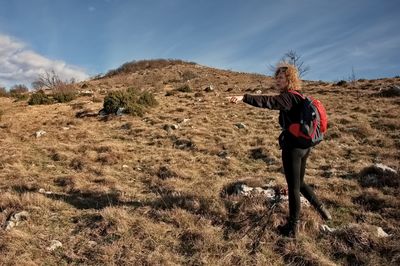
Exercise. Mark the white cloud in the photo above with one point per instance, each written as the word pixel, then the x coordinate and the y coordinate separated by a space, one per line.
pixel 20 65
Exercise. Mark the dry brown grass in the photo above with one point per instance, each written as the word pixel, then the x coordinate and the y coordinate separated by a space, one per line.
pixel 133 191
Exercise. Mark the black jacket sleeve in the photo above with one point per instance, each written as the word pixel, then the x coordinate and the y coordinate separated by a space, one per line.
pixel 283 101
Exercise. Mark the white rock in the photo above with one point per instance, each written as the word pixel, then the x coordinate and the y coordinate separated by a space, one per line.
pixel 258 91
pixel 40 133
pixel 381 233
pixel 21 216
pixel 10 225
pixel 240 125
pixel 65 128
pixel 54 245
pixel 42 191
pixel 385 168
pixel 325 228
pixel 120 111
pixel 125 166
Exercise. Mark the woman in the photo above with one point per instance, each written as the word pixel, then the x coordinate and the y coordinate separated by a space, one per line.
pixel 294 155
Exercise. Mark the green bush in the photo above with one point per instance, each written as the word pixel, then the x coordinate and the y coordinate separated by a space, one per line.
pixel 135 109
pixel 63 97
pixel 147 99
pixel 39 97
pixel 132 100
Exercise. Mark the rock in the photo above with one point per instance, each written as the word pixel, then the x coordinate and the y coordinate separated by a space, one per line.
pixel 21 216
pixel 174 127
pixel 42 191
pixel 10 225
pixel 209 88
pixel 40 133
pixel 120 111
pixel 268 191
pixel 240 125
pixel 223 154
pixel 381 233
pixel 326 229
pixel 258 91
pixel 170 127
pixel 385 168
pixel 65 128
pixel 125 166
pixel 392 91
pixel 15 219
pixel 54 245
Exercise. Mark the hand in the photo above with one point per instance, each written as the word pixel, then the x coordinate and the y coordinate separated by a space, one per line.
pixel 235 99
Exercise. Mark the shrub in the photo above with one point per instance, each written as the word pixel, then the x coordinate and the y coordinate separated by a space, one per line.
pixel 135 109
pixel 185 88
pixel 64 93
pixel 132 100
pixel 19 92
pixel 147 99
pixel 3 92
pixel 342 83
pixel 115 100
pixel 39 97
pixel 188 75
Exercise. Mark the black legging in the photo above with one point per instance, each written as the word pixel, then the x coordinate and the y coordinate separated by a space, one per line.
pixel 294 165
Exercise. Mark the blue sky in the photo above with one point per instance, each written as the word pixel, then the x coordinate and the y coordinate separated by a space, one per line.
pixel 82 38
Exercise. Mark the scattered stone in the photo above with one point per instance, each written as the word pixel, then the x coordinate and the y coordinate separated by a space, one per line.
pixel 268 191
pixel 223 154
pixel 125 166
pixel 43 191
pixel 326 229
pixel 258 91
pixel 86 93
pixel 240 125
pixel 65 128
pixel 10 225
pixel 120 111
pixel 16 219
pixel 209 88
pixel 92 243
pixel 381 233
pixel 54 245
pixel 184 144
pixel 392 91
pixel 378 175
pixel 40 133
pixel 86 113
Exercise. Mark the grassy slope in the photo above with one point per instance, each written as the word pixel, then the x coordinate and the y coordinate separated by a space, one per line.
pixel 123 192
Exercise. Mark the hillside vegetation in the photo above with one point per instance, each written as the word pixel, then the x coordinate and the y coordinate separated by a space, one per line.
pixel 156 188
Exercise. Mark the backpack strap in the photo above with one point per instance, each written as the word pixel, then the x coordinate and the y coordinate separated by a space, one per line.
pixel 296 93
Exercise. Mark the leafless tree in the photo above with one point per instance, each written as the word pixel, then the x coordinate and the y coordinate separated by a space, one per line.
pixel 295 59
pixel 48 79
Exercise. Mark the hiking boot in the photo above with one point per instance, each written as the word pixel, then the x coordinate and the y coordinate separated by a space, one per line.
pixel 290 229
pixel 324 212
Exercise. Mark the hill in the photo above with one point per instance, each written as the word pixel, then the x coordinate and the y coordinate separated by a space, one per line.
pixel 159 189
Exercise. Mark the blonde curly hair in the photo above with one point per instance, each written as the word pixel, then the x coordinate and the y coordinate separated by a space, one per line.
pixel 292 75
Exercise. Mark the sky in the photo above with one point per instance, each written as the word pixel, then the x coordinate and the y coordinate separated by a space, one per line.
pixel 83 38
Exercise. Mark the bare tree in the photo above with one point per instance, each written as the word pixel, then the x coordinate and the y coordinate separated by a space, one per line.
pixel 295 59
pixel 49 80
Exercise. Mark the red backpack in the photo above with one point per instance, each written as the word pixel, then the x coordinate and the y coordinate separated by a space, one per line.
pixel 313 122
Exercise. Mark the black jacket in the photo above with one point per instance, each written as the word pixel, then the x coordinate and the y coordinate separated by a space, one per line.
pixel 289 105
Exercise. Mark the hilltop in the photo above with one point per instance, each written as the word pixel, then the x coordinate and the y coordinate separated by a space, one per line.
pixel 158 189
